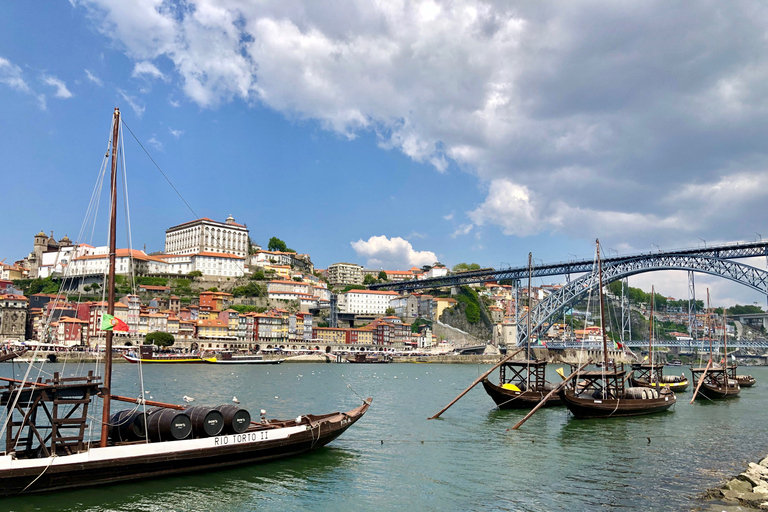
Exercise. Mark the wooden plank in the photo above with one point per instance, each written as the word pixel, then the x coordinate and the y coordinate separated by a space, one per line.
pixel 701 380
pixel 479 379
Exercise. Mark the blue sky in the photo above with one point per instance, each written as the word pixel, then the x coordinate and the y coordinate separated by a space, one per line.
pixel 391 135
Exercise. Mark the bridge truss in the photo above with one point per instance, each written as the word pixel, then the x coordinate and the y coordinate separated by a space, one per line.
pixel 753 277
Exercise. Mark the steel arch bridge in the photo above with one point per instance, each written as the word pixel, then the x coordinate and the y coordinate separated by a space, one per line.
pixel 612 270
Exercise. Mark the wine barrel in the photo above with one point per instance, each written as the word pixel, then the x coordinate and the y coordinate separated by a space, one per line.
pixel 127 425
pixel 167 424
pixel 206 421
pixel 637 393
pixel 236 420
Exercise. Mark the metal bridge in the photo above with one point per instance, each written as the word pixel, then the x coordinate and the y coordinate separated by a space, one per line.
pixel 716 260
pixel 686 345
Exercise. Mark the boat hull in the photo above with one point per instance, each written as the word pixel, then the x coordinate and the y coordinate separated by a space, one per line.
pixel 151 460
pixel 509 399
pixel 745 381
pixel 677 387
pixel 707 390
pixel 611 408
pixel 214 360
pixel 176 360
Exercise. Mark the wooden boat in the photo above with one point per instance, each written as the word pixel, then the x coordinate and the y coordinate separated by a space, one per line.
pixel 8 355
pixel 745 381
pixel 650 375
pixel 147 356
pixel 522 384
pixel 369 359
pixel 715 382
pixel 230 358
pixel 46 448
pixel 601 393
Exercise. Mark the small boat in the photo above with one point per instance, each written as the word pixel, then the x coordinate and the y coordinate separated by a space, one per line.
pixel 745 381
pixel 9 355
pixel 715 381
pixel 601 393
pixel 230 358
pixel 48 445
pixel 369 358
pixel 675 362
pixel 521 385
pixel 650 375
pixel 147 356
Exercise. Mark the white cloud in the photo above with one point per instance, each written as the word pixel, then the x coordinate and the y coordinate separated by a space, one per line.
pixel 145 68
pixel 562 119
pixel 449 216
pixel 464 229
pixel 176 133
pixel 391 253
pixel 508 205
pixel 155 143
pixel 93 78
pixel 61 87
pixel 11 75
pixel 133 103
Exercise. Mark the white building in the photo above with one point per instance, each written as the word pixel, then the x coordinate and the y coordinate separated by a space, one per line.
pixel 366 302
pixel 206 235
pixel 345 273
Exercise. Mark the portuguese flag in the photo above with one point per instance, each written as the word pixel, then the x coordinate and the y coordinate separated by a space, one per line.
pixel 110 323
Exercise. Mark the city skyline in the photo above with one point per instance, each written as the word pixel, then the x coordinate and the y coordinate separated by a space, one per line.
pixel 394 137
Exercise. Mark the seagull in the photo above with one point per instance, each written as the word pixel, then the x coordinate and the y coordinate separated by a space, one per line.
pixel 188 399
pixel 234 399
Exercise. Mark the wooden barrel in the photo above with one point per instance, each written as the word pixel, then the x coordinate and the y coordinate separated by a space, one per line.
pixel 127 425
pixel 236 420
pixel 167 424
pixel 206 421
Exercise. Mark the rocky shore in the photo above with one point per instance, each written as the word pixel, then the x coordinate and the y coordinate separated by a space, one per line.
pixel 748 491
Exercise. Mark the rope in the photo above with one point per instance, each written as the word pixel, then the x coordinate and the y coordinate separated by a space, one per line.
pixel 53 456
pixel 349 386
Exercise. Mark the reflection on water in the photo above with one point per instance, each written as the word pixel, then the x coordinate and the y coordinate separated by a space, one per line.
pixel 394 458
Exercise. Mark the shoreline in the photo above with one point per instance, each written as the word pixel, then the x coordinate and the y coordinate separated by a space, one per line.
pixel 748 490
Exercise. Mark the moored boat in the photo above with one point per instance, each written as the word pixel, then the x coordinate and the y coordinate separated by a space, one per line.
pixel 746 381
pixel 601 393
pixel 230 358
pixel 147 356
pixel 521 385
pixel 48 446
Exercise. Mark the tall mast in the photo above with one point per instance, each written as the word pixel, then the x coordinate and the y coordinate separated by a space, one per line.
pixel 650 334
pixel 602 313
pixel 106 393
pixel 709 326
pixel 725 342
pixel 528 338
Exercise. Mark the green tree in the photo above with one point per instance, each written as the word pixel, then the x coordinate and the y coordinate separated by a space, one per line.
pixel 390 311
pixel 368 279
pixel 195 273
pixel 258 275
pixel 275 244
pixel 382 276
pixel 459 267
pixel 161 339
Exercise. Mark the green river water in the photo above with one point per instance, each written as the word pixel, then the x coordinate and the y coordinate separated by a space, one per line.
pixel 395 459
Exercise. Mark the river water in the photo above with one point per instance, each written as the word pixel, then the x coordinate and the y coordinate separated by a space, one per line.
pixel 395 459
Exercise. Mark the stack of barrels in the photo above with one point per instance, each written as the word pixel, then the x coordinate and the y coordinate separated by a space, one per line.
pixel 164 424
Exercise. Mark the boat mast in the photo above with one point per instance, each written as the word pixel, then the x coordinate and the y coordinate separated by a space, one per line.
pixel 709 326
pixel 528 338
pixel 725 343
pixel 602 312
pixel 650 334
pixel 106 392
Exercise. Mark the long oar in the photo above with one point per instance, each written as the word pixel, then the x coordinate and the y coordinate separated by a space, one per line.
pixel 701 380
pixel 480 378
pixel 544 400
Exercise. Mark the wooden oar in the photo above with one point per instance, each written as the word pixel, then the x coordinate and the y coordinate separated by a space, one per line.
pixel 544 400
pixel 151 403
pixel 479 379
pixel 701 380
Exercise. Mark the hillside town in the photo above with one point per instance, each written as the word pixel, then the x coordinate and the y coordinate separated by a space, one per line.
pixel 214 289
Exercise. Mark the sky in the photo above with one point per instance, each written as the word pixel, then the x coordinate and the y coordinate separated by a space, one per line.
pixel 397 133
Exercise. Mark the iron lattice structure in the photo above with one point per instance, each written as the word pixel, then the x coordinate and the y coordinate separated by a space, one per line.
pixel 747 275
pixel 721 252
